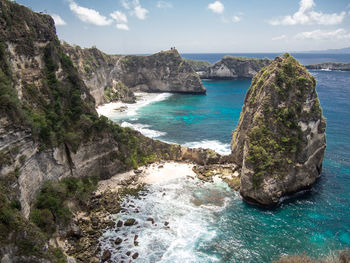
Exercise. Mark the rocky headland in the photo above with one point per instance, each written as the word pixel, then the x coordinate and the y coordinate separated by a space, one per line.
pixel 54 148
pixel 234 68
pixel 330 66
pixel 116 77
pixel 50 130
pixel 280 138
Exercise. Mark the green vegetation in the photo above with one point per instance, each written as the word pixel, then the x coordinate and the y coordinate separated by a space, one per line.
pixel 50 208
pixel 277 137
pixel 18 231
pixel 119 92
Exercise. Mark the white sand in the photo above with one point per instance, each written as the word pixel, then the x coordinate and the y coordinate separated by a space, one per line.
pixel 142 99
pixel 151 174
pixel 159 173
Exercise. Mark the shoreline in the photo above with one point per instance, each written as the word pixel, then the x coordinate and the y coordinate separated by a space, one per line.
pixel 154 173
pixel 121 109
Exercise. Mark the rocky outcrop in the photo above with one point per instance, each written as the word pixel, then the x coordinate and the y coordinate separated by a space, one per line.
pixel 165 71
pixel 200 66
pixel 330 66
pixel 280 138
pixel 49 128
pixel 235 68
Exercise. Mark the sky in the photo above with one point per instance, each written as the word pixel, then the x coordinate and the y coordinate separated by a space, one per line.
pixel 200 26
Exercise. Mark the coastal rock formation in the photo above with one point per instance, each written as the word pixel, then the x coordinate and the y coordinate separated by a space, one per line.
pixel 165 71
pixel 200 66
pixel 280 138
pixel 330 66
pixel 50 130
pixel 235 68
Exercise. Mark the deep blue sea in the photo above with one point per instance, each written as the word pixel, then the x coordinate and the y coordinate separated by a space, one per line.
pixel 210 223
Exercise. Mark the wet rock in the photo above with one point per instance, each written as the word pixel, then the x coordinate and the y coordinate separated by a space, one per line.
pixel 128 253
pixel 95 221
pixel 166 223
pixel 74 231
pixel 135 241
pixel 119 223
pixel 137 171
pixel 129 222
pixel 135 255
pixel 118 241
pixel 106 255
pixel 161 166
pixel 150 219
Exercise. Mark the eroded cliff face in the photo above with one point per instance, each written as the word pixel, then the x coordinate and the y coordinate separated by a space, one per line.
pixel 280 138
pixel 165 71
pixel 49 130
pixel 235 68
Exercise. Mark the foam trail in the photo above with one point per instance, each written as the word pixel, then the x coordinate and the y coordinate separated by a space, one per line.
pixel 144 129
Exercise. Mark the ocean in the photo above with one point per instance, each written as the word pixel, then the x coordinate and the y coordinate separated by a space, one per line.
pixel 210 223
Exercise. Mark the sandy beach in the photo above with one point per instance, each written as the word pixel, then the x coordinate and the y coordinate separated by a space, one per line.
pixel 114 109
pixel 151 174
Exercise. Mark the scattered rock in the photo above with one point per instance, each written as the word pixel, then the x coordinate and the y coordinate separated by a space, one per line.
pixel 137 171
pixel 118 241
pixel 119 223
pixel 106 255
pixel 135 256
pixel 129 222
pixel 161 166
pixel 128 253
pixel 166 223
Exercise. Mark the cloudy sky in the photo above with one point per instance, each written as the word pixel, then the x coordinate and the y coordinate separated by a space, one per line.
pixel 198 26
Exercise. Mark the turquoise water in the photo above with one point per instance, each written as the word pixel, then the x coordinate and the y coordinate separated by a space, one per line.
pixel 313 222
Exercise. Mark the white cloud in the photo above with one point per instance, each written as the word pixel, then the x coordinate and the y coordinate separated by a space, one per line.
pixel 338 34
pixel 307 16
pixel 216 7
pixel 58 20
pixel 123 27
pixel 125 4
pixel 279 38
pixel 135 8
pixel 236 19
pixel 120 17
pixel 88 15
pixel 164 4
pixel 140 12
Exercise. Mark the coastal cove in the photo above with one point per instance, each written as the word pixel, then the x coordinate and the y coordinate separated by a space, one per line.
pixel 166 158
pixel 313 222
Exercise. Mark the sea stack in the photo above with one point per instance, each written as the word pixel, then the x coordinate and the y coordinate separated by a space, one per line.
pixel 280 139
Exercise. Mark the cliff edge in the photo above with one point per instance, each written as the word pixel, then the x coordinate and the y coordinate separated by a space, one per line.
pixel 280 138
pixel 234 68
pixel 105 75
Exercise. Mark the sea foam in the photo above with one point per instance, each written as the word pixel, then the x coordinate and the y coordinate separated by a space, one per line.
pixel 144 129
pixel 182 211
pixel 219 147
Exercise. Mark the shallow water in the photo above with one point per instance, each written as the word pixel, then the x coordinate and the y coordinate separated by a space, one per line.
pixel 207 222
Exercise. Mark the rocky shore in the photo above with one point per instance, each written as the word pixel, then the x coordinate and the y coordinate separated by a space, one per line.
pixel 82 240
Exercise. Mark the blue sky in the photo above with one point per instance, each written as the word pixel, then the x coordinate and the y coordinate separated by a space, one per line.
pixel 198 26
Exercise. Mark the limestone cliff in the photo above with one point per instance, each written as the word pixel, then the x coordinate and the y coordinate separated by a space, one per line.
pixel 235 68
pixel 49 129
pixel 165 71
pixel 199 65
pixel 330 66
pixel 280 138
